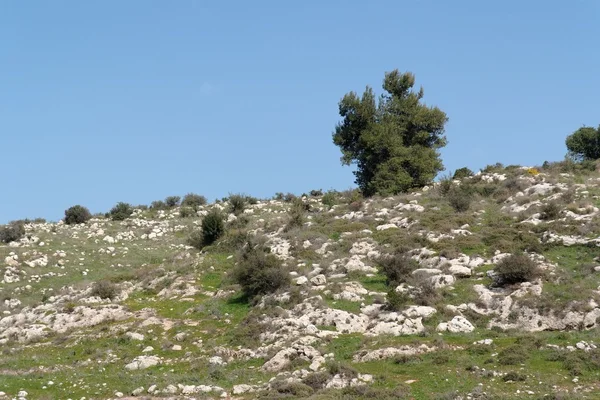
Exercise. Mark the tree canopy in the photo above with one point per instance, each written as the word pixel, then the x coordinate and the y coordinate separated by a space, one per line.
pixel 584 143
pixel 393 140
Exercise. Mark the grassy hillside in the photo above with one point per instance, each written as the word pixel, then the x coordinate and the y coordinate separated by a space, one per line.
pixel 398 297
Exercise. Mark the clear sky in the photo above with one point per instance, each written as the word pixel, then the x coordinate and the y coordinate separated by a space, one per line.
pixel 133 101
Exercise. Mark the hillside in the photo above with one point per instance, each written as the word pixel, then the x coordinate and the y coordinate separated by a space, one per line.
pixel 122 309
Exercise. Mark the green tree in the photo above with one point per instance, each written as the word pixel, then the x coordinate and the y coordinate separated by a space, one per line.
pixel 584 143
pixel 393 141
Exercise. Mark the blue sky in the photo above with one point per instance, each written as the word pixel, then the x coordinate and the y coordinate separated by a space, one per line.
pixel 133 101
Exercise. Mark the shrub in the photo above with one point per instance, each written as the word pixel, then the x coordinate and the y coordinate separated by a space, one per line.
pixel 77 215
pixel 461 173
pixel 296 213
pixel 158 205
pixel 186 212
pixel 444 186
pixel 578 362
pixel 427 295
pixel 258 271
pixel 516 268
pixel 213 226
pixel 104 289
pixel 316 193
pixel 459 199
pixel 550 211
pixel 513 355
pixel 121 211
pixel 396 301
pixel 193 200
pixel 294 389
pixel 338 368
pixel 12 232
pixel 397 267
pixel 355 205
pixel 329 199
pixel 491 168
pixel 289 197
pixel 316 380
pixel 237 203
pixel 513 376
pixel 172 201
pixel 399 392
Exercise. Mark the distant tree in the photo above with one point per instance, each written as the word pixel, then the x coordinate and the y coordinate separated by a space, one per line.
pixel 461 173
pixel 172 201
pixel 77 215
pixel 584 144
pixel 120 211
pixel 193 200
pixel 394 141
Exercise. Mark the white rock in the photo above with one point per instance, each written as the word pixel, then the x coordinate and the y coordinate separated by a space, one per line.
pixel 216 360
pixel 134 336
pixel 241 389
pixel 419 311
pixel 460 271
pixel 386 227
pixel 142 362
pixel 109 239
pixel 318 280
pixel 458 324
pixel 302 280
pixel 356 264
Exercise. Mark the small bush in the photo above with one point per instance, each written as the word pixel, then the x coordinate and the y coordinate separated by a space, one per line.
pixel 397 268
pixel 186 212
pixel 247 333
pixel 289 197
pixel 513 355
pixel 396 301
pixel 578 362
pixel 427 295
pixel 172 201
pixel 258 271
pixel 513 376
pixel 461 173
pixel 158 205
pixel 491 168
pixel 316 380
pixel 105 290
pixel 459 199
pixel 12 232
pixel 355 205
pixel 550 211
pixel 329 199
pixel 444 185
pixel 237 203
pixel 516 268
pixel 77 215
pixel 213 227
pixel 316 193
pixel 338 368
pixel 121 211
pixel 399 392
pixel 193 200
pixel 295 389
pixel 296 213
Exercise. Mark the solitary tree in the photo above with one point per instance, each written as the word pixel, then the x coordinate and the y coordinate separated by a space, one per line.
pixel 584 143
pixel 393 141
